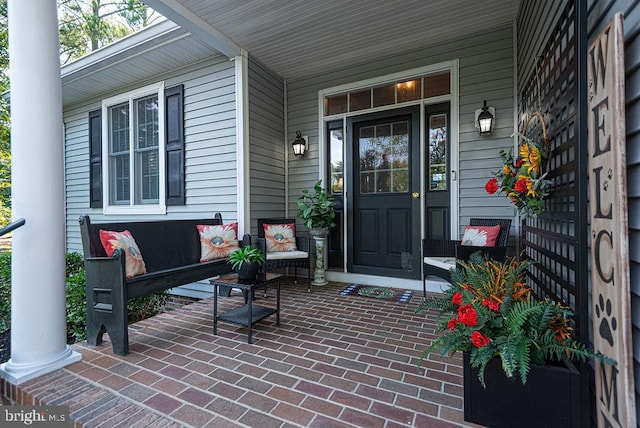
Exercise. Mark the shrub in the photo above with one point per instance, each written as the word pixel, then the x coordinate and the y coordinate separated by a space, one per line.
pixel 5 291
pixel 76 302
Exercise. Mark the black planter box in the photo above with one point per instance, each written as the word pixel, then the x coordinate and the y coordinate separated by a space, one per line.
pixel 550 398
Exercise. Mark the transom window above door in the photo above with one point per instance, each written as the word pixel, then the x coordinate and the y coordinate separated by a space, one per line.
pixel 392 93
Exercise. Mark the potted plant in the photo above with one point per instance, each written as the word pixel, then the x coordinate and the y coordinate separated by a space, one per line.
pixel 316 210
pixel 246 261
pixel 517 350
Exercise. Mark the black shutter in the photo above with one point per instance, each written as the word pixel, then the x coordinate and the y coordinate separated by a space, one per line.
pixel 95 159
pixel 174 138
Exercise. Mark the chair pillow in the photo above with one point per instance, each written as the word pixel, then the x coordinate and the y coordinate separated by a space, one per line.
pixel 280 237
pixel 481 236
pixel 133 258
pixel 217 241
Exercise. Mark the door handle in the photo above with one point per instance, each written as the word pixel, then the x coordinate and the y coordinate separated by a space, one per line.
pixel 415 195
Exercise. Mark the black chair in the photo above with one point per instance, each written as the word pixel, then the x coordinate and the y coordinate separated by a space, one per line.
pixel 301 258
pixel 439 255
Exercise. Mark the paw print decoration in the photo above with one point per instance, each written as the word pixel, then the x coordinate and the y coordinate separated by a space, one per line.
pixel 608 323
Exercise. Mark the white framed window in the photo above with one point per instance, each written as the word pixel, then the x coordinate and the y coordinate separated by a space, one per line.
pixel 133 152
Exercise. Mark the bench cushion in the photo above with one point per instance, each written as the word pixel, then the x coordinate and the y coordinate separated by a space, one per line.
pixel 446 263
pixel 284 255
pixel 280 237
pixel 133 257
pixel 217 241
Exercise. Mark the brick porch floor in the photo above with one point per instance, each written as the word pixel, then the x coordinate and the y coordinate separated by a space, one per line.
pixel 335 361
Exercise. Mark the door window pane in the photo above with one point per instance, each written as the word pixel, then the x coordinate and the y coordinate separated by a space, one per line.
pixel 438 152
pixel 336 158
pixel 384 158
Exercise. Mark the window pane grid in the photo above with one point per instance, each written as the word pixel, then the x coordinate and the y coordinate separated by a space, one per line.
pixel 134 138
pixel 384 158
pixel 147 122
pixel 119 128
pixel 148 188
pixel 119 173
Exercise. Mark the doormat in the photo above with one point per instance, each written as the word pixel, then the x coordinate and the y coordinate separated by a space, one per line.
pixel 384 293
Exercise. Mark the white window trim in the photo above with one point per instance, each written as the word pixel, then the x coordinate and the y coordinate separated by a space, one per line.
pixel 452 67
pixel 161 207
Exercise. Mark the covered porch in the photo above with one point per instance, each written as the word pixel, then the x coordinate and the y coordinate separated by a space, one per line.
pixel 338 361
pixel 252 79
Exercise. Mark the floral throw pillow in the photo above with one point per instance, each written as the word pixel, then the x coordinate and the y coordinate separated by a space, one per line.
pixel 280 237
pixel 217 241
pixel 133 258
pixel 481 236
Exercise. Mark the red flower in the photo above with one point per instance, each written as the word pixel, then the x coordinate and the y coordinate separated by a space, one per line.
pixel 457 298
pixel 520 186
pixel 468 315
pixel 492 186
pixel 518 163
pixel 452 323
pixel 494 306
pixel 479 340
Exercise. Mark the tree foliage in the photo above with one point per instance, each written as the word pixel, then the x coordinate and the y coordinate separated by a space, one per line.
pixel 5 134
pixel 87 25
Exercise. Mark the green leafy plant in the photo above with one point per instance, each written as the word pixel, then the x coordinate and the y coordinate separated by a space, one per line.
pixel 246 254
pixel 489 312
pixel 5 291
pixel 316 208
pixel 76 305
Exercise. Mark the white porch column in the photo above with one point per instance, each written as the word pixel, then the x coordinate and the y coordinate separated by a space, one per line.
pixel 38 325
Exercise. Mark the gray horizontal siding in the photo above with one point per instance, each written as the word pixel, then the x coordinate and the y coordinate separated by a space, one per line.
pixel 210 148
pixel 267 144
pixel 486 72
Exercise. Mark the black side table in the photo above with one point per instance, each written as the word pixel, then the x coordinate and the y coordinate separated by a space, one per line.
pixel 248 314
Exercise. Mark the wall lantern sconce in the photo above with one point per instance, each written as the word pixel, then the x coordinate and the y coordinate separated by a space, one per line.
pixel 300 144
pixel 485 118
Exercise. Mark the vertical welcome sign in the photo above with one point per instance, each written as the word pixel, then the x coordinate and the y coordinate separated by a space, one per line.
pixel 609 228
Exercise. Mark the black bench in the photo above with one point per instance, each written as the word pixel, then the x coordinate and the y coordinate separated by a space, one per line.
pixel 171 252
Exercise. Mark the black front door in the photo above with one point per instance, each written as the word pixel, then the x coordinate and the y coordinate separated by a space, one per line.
pixel 385 204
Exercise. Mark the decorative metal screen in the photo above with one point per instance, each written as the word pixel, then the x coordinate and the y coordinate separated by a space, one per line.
pixel 557 238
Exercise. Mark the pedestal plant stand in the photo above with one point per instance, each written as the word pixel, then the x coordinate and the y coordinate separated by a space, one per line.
pixel 315 209
pixel 320 238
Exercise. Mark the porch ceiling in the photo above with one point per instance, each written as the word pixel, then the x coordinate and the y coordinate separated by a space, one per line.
pixel 298 38
pixel 294 38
